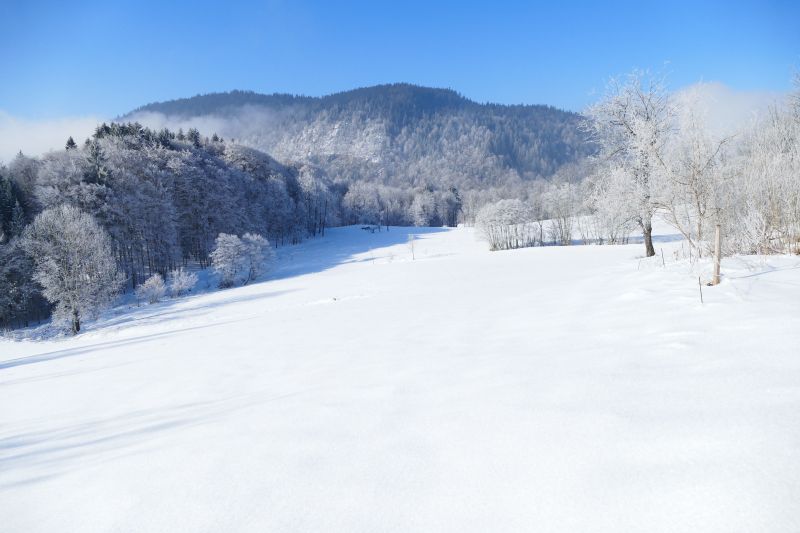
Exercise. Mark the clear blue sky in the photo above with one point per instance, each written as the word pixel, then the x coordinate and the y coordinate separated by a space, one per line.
pixel 105 58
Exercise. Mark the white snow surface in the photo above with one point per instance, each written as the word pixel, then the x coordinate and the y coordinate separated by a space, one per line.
pixel 547 389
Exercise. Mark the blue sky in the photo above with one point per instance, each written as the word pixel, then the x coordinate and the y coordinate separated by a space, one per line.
pixel 105 58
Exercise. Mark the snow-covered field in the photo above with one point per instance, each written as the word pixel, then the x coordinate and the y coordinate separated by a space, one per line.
pixel 545 389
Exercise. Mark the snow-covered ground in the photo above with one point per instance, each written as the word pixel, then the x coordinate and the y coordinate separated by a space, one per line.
pixel 545 389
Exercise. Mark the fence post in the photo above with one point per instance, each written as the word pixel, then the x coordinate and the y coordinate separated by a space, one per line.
pixel 717 254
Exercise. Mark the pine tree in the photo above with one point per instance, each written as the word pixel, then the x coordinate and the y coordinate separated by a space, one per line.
pixel 97 171
pixel 6 202
pixel 71 144
pixel 194 137
pixel 17 224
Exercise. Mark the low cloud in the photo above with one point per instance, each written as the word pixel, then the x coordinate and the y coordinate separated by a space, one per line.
pixel 245 122
pixel 729 111
pixel 37 136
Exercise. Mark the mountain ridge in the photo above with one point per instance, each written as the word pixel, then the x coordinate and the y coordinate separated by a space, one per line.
pixel 398 134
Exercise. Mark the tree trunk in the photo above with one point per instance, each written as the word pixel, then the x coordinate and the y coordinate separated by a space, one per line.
pixel 76 322
pixel 647 231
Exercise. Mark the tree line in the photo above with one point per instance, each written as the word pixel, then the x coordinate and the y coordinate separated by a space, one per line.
pixel 658 155
pixel 161 200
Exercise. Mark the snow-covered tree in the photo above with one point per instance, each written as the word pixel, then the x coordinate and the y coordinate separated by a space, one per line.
pixel 562 204
pixel 258 256
pixel 630 125
pixel 152 290
pixel 610 204
pixel 424 209
pixel 691 196
pixel 73 263
pixel 228 258
pixel 507 224
pixel 181 281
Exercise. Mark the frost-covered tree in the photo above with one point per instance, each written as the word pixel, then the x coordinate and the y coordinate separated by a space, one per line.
pixel 181 281
pixel 691 195
pixel 451 206
pixel 152 290
pixel 258 256
pixel 73 263
pixel 562 203
pixel 194 137
pixel 507 224
pixel 424 209
pixel 631 125
pixel 228 258
pixel 363 203
pixel 610 204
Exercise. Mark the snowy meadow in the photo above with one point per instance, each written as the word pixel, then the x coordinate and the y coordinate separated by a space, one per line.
pixel 359 388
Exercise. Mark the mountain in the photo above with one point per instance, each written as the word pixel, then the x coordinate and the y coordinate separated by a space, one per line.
pixel 397 134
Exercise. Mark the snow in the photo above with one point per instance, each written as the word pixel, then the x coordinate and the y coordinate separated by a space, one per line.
pixel 573 388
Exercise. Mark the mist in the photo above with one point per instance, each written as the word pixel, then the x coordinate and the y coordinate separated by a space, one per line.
pixel 36 136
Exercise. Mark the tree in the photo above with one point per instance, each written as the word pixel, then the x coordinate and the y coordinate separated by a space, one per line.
pixel 227 258
pixel 561 202
pixel 19 295
pixel 17 220
pixel 690 196
pixel 96 171
pixel 451 207
pixel 630 125
pixel 71 144
pixel 193 136
pixel 180 281
pixel 73 263
pixel 507 224
pixel 152 290
pixel 257 255
pixel 424 209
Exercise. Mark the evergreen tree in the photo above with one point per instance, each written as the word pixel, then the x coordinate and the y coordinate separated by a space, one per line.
pixel 194 137
pixel 96 172
pixel 17 220
pixel 71 144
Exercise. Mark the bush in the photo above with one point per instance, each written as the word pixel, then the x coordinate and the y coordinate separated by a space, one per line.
pixel 151 290
pixel 180 281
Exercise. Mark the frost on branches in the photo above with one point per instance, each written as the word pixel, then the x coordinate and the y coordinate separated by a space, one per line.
pixel 73 263
pixel 152 290
pixel 180 281
pixel 247 257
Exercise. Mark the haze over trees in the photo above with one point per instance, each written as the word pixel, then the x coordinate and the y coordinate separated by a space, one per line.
pixel 399 135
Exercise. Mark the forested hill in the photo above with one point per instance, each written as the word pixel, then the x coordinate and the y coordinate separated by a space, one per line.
pixel 398 134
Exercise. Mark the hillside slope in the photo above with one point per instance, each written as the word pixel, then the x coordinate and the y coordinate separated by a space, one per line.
pixel 546 389
pixel 397 134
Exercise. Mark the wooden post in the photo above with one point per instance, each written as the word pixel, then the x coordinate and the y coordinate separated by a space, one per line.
pixel 717 254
